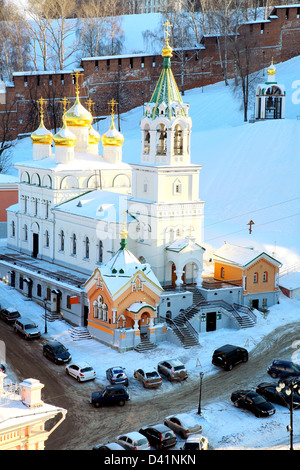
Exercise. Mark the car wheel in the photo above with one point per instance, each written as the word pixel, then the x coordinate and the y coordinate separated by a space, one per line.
pixel 78 379
pixel 245 359
pixel 273 375
pixel 97 404
pixel 121 402
pixel 236 403
pixel 230 367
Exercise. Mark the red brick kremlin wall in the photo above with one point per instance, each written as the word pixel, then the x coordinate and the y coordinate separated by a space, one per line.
pixel 130 80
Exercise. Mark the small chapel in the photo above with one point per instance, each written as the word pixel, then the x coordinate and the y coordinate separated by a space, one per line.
pixel 270 97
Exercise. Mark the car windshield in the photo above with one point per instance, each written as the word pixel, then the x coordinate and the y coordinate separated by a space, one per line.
pixel 296 367
pixel 118 371
pixel 87 369
pixel 152 375
pixel 179 368
pixel 60 349
pixel 258 400
pixel 141 441
pixel 191 446
pixel 30 326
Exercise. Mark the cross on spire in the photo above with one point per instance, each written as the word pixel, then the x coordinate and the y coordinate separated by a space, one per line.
pixel 76 75
pixel 41 103
pixel 64 102
pixel 167 25
pixel 112 105
pixel 90 103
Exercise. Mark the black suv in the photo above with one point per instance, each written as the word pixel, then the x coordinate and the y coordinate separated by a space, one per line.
pixel 56 352
pixel 9 315
pixel 159 436
pixel 111 395
pixel 228 356
pixel 283 369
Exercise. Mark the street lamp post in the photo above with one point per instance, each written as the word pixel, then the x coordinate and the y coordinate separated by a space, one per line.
pixel 45 305
pixel 292 386
pixel 199 406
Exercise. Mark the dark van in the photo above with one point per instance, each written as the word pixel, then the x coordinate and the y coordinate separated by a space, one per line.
pixel 228 356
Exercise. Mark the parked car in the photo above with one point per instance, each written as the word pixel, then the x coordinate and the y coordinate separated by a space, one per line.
pixel 116 375
pixel 195 442
pixel 159 436
pixel 228 356
pixel 81 371
pixel 2 368
pixel 27 328
pixel 183 424
pixel 279 368
pixel 56 352
pixel 9 315
pixel 111 395
pixel 252 401
pixel 109 446
pixel 269 392
pixel 174 370
pixel 150 378
pixel 133 441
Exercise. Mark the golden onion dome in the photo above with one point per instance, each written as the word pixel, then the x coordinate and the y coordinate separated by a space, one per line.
pixel 64 137
pixel 41 135
pixel 112 138
pixel 78 115
pixel 167 50
pixel 94 136
pixel 272 69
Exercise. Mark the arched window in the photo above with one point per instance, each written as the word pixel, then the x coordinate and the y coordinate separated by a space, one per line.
pixel 161 140
pixel 47 239
pixel 25 233
pixel 265 276
pixel 100 252
pixel 146 141
pixel 178 140
pixel 74 244
pixel 104 312
pixel 87 247
pixel 222 273
pixel 62 240
pixel 13 229
pixel 255 278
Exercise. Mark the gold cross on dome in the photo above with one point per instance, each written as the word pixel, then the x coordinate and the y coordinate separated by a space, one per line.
pixel 41 103
pixel 112 105
pixel 167 25
pixel 76 75
pixel 90 103
pixel 64 101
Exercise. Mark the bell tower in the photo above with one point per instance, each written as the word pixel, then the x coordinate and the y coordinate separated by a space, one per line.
pixel 166 125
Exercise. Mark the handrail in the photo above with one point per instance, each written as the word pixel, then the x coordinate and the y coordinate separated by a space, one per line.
pixel 169 320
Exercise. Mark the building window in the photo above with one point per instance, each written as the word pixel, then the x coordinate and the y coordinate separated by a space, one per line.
pixel 13 229
pixel 25 81
pixel 142 62
pixel 48 297
pixel 69 305
pixel 222 273
pixel 87 248
pixel 96 64
pixel 100 252
pixel 262 28
pixel 265 276
pixel 62 240
pixel 255 278
pixel 39 290
pixel 107 64
pixel 62 79
pixel 74 244
pixel 25 233
pixel 21 282
pixel 47 239
pixel 131 63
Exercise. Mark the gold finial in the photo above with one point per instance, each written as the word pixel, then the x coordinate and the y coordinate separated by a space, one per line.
pixel 167 25
pixel 41 103
pixel 112 103
pixel 64 102
pixel 76 75
pixel 90 103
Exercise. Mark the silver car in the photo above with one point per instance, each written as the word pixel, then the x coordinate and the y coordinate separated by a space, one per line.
pixel 27 328
pixel 133 441
pixel 174 370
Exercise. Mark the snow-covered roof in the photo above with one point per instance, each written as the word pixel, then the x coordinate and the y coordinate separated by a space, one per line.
pixel 97 204
pixel 290 281
pixel 180 244
pixel 137 306
pixel 240 256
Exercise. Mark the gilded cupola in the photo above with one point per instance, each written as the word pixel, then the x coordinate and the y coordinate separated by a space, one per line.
pixel 78 115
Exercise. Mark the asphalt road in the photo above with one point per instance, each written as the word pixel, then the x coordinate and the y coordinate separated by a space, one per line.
pixel 86 426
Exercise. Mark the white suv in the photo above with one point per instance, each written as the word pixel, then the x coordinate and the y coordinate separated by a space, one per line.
pixel 174 370
pixel 27 328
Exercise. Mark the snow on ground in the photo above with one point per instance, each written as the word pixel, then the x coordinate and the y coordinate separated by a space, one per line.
pixel 223 424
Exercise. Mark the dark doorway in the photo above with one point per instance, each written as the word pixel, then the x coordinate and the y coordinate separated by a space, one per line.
pixel 85 315
pixel 35 245
pixel 58 302
pixel 29 285
pixel 211 321
pixel 255 303
pixel 13 279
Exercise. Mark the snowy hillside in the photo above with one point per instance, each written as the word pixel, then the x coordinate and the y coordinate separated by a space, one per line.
pixel 250 171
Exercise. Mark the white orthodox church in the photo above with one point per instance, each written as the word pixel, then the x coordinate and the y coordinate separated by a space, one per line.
pixel 72 200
